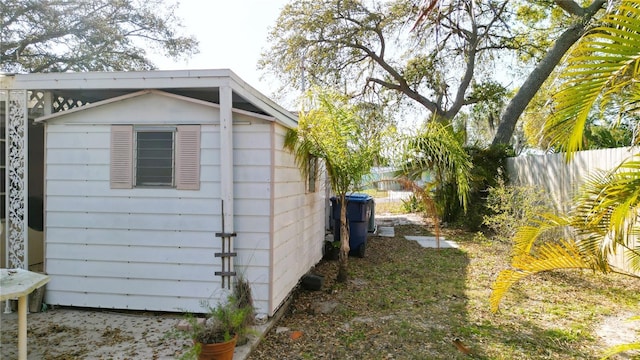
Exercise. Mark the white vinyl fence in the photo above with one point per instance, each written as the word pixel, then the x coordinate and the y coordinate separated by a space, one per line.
pixel 561 179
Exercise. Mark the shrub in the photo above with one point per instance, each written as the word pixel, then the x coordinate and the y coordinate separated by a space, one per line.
pixel 511 207
pixel 413 205
pixel 488 166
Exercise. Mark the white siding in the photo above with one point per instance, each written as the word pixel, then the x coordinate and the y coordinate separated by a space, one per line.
pixel 125 248
pixel 252 207
pixel 298 222
pixel 154 249
pixel 150 249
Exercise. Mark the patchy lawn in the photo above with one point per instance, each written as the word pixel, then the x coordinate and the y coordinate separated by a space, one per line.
pixel 407 302
pixel 402 302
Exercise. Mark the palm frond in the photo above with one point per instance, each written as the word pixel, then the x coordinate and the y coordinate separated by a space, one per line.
pixel 300 149
pixel 437 148
pixel 607 210
pixel 551 256
pixel 604 65
pixel 526 236
pixel 330 131
pixel 633 258
pixel 603 71
pixel 620 349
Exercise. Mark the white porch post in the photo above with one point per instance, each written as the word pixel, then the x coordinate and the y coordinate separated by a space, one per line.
pixel 226 156
pixel 16 177
pixel 226 169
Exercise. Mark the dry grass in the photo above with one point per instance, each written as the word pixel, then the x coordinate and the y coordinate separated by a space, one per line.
pixel 407 302
pixel 391 207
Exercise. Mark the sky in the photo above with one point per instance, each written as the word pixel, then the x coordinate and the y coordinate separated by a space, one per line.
pixel 232 34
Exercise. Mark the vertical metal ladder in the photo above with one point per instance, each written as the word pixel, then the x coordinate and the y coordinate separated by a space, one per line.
pixel 226 255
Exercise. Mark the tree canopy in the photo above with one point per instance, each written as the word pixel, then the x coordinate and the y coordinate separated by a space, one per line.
pixel 576 20
pixel 98 35
pixel 452 57
pixel 366 47
pixel 329 128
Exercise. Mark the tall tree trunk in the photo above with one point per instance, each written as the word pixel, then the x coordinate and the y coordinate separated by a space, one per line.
pixel 534 81
pixel 344 241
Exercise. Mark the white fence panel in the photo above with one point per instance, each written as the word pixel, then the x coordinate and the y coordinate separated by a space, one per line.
pixel 561 179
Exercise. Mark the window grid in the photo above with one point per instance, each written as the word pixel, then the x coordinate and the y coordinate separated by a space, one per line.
pixel 154 158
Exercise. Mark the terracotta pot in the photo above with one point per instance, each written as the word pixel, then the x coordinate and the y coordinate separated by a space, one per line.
pixel 218 351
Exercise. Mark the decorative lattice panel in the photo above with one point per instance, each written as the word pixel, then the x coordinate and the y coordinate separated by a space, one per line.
pixel 36 104
pixel 61 103
pixel 4 94
pixel 16 167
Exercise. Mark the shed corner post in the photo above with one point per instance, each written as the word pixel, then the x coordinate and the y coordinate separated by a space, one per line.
pixel 226 155
pixel 226 172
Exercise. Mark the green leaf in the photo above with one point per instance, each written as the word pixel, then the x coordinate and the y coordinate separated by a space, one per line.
pixel 601 67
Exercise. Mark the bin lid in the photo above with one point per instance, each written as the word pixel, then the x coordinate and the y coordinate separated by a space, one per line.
pixel 357 197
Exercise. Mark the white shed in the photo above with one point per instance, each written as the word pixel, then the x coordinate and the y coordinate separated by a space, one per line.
pixel 135 177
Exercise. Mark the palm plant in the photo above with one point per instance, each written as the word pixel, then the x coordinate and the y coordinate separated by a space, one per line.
pixel 437 149
pixel 330 131
pixel 603 72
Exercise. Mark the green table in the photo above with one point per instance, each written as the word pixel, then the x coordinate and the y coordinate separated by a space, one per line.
pixel 18 283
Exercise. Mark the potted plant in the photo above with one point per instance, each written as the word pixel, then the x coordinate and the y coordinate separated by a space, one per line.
pixel 224 326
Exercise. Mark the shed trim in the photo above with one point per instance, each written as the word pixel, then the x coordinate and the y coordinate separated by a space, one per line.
pixel 171 79
pixel 145 92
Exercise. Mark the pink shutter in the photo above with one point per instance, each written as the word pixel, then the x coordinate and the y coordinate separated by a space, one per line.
pixel 188 157
pixel 121 167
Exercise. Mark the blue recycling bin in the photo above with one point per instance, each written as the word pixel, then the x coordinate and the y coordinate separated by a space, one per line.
pixel 359 212
pixel 372 228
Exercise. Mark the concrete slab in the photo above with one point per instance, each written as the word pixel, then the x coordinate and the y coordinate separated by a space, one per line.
pixel 430 242
pixel 399 219
pixel 386 231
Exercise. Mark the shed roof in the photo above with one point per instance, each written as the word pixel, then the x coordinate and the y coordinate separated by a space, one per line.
pixel 204 85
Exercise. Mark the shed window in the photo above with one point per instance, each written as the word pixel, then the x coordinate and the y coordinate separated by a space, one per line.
pixel 155 157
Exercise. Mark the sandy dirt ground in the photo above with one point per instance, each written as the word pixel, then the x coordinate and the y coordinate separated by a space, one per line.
pixel 82 334
pixel 617 330
pixel 72 333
